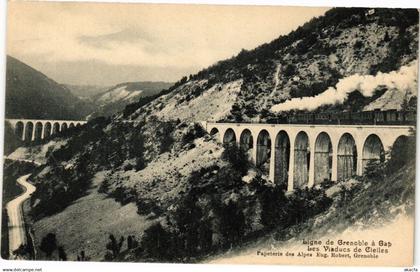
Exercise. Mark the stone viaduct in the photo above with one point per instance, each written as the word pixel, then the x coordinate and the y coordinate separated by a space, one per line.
pixel 33 129
pixel 306 155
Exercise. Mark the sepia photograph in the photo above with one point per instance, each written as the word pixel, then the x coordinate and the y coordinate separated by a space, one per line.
pixel 209 134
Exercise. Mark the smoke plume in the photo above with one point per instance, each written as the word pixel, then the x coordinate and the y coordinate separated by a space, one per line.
pixel 405 79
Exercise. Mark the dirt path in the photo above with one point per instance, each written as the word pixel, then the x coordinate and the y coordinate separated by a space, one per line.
pixel 17 231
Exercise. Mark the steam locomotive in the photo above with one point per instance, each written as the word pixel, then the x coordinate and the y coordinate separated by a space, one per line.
pixel 376 117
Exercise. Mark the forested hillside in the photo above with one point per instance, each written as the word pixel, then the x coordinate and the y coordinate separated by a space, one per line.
pixel 32 95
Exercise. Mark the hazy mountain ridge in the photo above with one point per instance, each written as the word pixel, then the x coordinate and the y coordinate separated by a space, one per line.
pixel 86 91
pixel 115 99
pixel 32 95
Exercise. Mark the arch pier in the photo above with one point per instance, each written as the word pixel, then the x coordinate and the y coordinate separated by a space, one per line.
pixel 305 155
pixel 33 129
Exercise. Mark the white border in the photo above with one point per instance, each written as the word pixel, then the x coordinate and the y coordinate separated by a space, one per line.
pixel 105 267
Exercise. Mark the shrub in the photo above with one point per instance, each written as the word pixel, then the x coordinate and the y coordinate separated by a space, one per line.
pixel 290 70
pixel 374 170
pixel 193 133
pixel 164 136
pixel 114 246
pixel 236 157
pixel 274 210
pixel 140 164
pixel 398 48
pixel 156 242
pixel 128 167
pixel 357 45
pixel 146 206
pixel 123 195
pixel 48 244
pixel 279 211
pixel 132 242
pixel 136 145
pixel 104 187
pixel 63 187
pixel 62 256
pixel 82 257
pixel 232 223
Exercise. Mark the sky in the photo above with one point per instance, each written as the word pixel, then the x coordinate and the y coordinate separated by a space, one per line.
pixel 105 44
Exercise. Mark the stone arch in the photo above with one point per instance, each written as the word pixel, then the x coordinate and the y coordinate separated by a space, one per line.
pixel 246 142
pixel 47 130
pixel 400 146
pixel 56 128
pixel 19 129
pixel 263 151
pixel 78 125
pixel 71 125
pixel 346 157
pixel 302 158
pixel 229 137
pixel 213 131
pixel 38 130
pixel 373 150
pixel 64 126
pixel 322 158
pixel 282 158
pixel 29 129
pixel 399 142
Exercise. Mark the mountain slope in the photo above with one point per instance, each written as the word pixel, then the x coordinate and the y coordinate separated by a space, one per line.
pixel 361 209
pixel 116 98
pixel 86 91
pixel 306 62
pixel 30 94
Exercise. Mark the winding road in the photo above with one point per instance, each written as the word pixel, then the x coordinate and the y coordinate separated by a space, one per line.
pixel 17 231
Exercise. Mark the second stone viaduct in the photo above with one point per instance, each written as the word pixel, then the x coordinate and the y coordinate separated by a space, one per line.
pixel 35 129
pixel 306 155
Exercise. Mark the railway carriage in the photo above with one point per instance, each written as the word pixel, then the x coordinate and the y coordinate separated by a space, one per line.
pixel 376 117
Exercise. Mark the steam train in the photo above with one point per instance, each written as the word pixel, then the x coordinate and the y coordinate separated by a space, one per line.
pixel 376 117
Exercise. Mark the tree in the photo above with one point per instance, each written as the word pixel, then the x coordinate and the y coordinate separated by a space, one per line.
pixel 114 246
pixel 237 158
pixel 49 244
pixel 232 223
pixel 274 211
pixel 402 153
pixel 82 257
pixel 387 38
pixel 22 250
pixel 156 242
pixel 104 187
pixel 132 242
pixel 290 70
pixel 62 256
pixel 375 170
pixel 188 220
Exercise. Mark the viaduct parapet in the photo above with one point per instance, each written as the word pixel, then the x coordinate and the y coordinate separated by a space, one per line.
pixel 306 155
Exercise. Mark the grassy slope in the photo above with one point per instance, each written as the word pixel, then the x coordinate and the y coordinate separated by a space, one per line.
pixel 87 223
